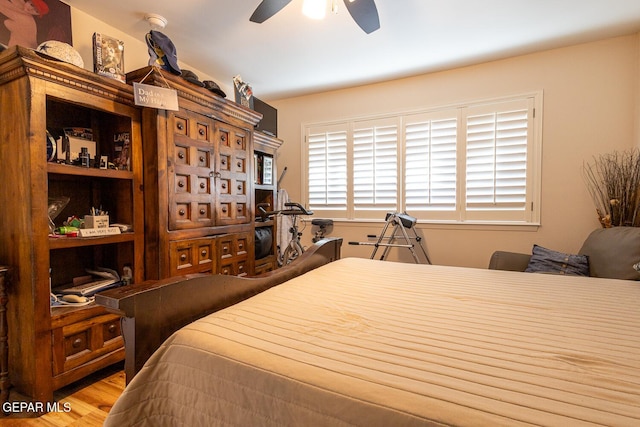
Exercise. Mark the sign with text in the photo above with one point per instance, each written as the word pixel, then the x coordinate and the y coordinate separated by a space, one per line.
pixel 155 97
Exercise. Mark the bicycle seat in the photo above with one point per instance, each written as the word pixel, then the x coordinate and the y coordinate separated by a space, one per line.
pixel 321 222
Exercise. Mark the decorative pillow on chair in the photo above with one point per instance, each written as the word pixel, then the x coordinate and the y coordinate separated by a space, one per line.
pixel 545 260
pixel 613 251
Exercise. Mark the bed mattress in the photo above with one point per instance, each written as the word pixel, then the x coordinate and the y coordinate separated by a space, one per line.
pixel 372 343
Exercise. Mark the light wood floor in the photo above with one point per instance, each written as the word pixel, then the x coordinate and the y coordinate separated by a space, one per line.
pixel 89 401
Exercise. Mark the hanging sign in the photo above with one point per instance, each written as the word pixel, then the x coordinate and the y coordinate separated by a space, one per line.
pixel 155 97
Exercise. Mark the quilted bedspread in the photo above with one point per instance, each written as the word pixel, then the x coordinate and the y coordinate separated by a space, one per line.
pixel 372 343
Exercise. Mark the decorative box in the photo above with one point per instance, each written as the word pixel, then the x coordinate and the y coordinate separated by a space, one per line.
pixel 96 221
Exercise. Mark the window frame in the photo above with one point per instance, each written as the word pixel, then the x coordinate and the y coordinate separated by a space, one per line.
pixel 461 215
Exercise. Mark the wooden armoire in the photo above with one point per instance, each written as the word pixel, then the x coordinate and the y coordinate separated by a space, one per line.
pixel 200 181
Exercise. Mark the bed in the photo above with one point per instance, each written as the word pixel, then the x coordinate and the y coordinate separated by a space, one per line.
pixel 379 343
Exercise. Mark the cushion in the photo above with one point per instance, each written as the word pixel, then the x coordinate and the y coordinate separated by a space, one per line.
pixel 613 251
pixel 545 260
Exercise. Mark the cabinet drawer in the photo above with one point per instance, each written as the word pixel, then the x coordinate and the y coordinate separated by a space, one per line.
pixel 265 265
pixel 81 342
pixel 235 268
pixel 233 255
pixel 111 330
pixel 233 245
pixel 192 256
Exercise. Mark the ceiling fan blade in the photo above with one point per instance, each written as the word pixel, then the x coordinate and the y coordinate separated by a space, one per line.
pixel 267 9
pixel 365 13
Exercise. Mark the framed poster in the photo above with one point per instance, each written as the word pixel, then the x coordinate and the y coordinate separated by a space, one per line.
pixel 30 22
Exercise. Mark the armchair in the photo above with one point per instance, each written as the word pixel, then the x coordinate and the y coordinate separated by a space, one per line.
pixel 612 252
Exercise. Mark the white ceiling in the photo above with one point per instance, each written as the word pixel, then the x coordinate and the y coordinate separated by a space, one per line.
pixel 290 55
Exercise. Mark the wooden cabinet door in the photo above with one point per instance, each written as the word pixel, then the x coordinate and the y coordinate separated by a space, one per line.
pixel 233 189
pixel 191 166
pixel 208 164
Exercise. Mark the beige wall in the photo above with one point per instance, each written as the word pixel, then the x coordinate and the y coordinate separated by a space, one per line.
pixel 591 104
pixel 135 50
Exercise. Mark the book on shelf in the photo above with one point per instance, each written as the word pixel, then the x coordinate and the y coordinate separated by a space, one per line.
pixel 122 150
pixel 108 56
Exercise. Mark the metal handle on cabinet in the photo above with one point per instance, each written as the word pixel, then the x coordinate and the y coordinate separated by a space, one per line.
pixel 181 155
pixel 201 132
pixel 183 257
pixel 181 184
pixel 202 185
pixel 76 343
pixel 203 253
pixel 202 211
pixel 182 212
pixel 112 328
pixel 180 126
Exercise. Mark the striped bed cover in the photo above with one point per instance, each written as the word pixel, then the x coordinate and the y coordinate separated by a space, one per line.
pixel 372 343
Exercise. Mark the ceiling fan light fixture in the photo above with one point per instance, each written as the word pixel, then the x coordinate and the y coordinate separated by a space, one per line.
pixel 363 12
pixel 314 9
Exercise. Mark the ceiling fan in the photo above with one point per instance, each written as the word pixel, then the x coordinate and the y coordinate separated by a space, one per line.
pixel 364 12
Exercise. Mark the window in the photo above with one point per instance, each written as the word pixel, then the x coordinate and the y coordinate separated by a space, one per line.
pixel 375 167
pixel 477 162
pixel 327 168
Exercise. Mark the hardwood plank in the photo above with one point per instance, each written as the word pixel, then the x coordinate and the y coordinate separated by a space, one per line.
pixel 88 400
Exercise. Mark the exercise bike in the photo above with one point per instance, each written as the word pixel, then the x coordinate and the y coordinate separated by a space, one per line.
pixel 294 248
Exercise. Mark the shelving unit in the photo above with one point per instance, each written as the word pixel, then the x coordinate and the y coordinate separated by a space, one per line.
pixel 266 191
pixel 49 347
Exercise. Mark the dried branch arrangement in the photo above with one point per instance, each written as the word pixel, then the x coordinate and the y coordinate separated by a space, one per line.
pixel 613 180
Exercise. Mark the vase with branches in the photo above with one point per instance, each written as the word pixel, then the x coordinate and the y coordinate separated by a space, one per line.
pixel 613 180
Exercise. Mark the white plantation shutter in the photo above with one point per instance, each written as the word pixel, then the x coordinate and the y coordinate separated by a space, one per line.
pixel 472 163
pixel 431 162
pixel 375 166
pixel 496 160
pixel 327 168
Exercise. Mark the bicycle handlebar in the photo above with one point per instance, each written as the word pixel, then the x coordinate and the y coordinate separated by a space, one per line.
pixel 299 210
pixel 298 207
